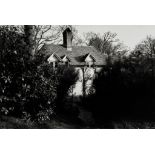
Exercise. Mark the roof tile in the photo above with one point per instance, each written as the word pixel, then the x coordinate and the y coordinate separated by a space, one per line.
pixel 77 54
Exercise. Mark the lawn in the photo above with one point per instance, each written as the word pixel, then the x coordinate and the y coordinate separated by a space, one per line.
pixel 61 122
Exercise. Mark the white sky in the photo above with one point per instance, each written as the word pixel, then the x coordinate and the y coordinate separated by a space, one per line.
pixel 130 35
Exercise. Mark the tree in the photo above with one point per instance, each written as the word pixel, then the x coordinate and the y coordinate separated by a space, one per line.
pixel 124 91
pixel 38 35
pixel 28 90
pixel 67 78
pixel 30 39
pixel 107 43
pixel 146 47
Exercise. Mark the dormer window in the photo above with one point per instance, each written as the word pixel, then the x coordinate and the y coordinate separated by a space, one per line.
pixel 89 60
pixel 67 63
pixel 66 60
pixel 89 64
pixel 55 64
pixel 54 59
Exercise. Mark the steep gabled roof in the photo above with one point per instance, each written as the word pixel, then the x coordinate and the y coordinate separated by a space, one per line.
pixel 54 55
pixel 76 56
pixel 89 55
pixel 65 56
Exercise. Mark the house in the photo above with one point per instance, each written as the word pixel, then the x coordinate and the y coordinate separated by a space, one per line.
pixel 86 60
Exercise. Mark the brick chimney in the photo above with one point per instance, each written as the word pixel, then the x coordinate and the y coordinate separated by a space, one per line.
pixel 67 39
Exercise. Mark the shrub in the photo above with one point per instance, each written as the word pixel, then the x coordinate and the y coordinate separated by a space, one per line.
pixel 67 78
pixel 124 89
pixel 27 90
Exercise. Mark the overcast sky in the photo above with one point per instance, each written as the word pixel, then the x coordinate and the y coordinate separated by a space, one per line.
pixel 129 35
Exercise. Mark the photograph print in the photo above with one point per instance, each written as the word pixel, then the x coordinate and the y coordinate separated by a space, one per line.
pixel 77 77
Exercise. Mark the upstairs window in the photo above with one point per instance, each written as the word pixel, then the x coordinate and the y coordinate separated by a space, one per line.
pixel 67 63
pixel 66 60
pixel 55 64
pixel 89 64
pixel 89 60
pixel 54 59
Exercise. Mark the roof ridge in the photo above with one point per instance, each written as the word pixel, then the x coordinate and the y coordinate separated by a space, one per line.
pixel 76 55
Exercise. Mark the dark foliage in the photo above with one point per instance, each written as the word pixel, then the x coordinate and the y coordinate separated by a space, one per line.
pixel 64 90
pixel 26 91
pixel 29 90
pixel 124 90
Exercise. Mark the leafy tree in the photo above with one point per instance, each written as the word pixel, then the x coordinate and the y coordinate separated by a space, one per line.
pixel 24 85
pixel 124 90
pixel 107 43
pixel 29 89
pixel 38 35
pixel 67 78
pixel 145 48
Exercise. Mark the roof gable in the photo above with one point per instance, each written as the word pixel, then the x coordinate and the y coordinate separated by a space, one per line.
pixel 77 56
pixel 53 58
pixel 65 58
pixel 89 58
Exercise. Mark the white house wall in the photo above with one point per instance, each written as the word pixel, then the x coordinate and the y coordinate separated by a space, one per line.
pixel 78 87
pixel 88 59
pixel 89 75
pixel 52 58
pixel 65 59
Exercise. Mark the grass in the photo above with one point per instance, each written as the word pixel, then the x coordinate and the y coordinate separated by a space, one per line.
pixel 7 122
pixel 57 122
pixel 63 122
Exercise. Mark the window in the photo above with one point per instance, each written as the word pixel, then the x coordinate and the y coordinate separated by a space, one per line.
pixel 65 60
pixel 89 60
pixel 89 64
pixel 67 63
pixel 55 64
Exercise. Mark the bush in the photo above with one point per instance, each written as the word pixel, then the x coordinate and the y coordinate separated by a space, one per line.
pixel 67 78
pixel 124 90
pixel 27 90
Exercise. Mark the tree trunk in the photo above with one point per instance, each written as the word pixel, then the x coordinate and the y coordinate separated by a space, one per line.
pixel 29 39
